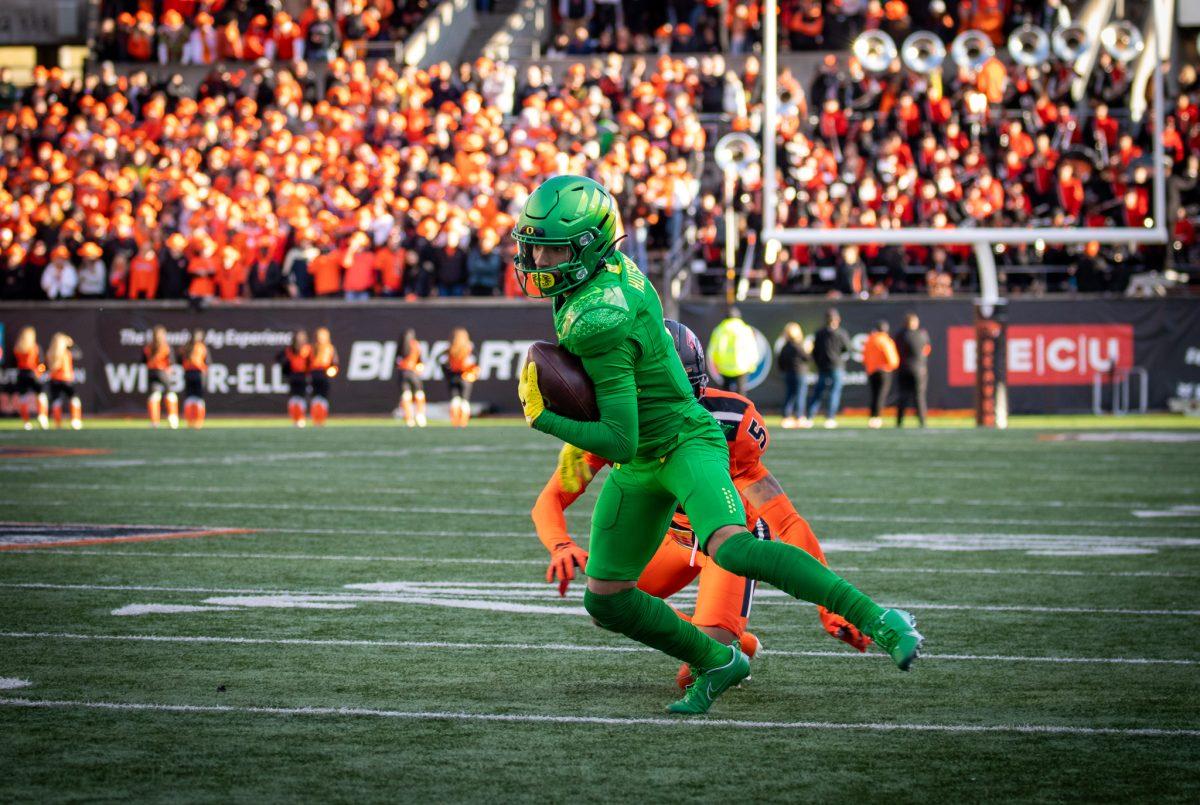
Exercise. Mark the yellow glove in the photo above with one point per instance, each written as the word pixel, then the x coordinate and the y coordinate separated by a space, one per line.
pixel 574 473
pixel 529 393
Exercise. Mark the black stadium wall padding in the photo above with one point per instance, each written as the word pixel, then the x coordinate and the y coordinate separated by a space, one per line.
pixel 1055 348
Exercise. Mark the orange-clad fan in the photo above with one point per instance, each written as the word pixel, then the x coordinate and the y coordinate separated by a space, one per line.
pixel 322 368
pixel 195 374
pixel 724 600
pixel 231 274
pixel 203 268
pixel 461 371
pixel 157 357
pixel 880 359
pixel 296 360
pixel 61 359
pixel 390 261
pixel 143 273
pixel 409 366
pixel 358 261
pixel 326 272
pixel 31 394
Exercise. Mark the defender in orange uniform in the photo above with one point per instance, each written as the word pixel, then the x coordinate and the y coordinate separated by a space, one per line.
pixel 31 395
pixel 157 356
pixel 195 373
pixel 61 358
pixel 322 368
pixel 296 361
pixel 723 601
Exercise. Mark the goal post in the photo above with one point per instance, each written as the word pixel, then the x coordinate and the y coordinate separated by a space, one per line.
pixel 981 239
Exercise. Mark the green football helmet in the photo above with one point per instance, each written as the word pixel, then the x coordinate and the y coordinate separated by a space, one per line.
pixel 571 212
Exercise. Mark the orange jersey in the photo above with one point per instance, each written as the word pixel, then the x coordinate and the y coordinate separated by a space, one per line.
pixel 460 363
pixel 143 277
pixel 391 269
pixel 748 440
pixel 323 356
pixel 196 359
pixel 160 359
pixel 747 437
pixel 64 371
pixel 412 357
pixel 326 273
pixel 879 354
pixel 28 359
pixel 297 360
pixel 203 270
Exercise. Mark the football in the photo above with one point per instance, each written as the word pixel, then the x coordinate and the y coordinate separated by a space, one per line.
pixel 566 388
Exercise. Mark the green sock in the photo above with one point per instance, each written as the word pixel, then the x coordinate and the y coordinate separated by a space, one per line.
pixel 798 574
pixel 650 621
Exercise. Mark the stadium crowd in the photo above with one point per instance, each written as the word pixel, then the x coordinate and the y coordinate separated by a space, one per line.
pixel 390 184
pixel 585 27
pixel 405 182
pixel 210 31
pixel 1003 146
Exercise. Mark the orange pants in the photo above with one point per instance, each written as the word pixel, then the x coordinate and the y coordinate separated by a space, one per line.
pixel 723 599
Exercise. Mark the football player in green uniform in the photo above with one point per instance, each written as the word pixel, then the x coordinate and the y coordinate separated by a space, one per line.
pixel 665 447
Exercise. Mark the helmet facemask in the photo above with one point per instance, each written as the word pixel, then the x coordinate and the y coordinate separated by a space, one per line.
pixel 542 282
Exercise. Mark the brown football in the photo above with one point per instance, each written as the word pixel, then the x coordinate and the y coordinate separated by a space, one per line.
pixel 566 388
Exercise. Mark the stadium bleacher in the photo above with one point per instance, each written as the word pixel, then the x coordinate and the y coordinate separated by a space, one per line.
pixel 265 161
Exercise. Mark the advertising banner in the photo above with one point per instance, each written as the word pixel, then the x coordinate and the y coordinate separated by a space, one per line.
pixel 1054 348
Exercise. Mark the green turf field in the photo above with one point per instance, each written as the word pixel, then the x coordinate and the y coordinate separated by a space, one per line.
pixel 384 633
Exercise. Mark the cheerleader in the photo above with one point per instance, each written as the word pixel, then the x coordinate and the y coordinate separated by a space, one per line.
pixel 411 364
pixel 61 358
pixel 195 373
pixel 322 368
pixel 461 371
pixel 31 395
pixel 296 361
pixel 157 356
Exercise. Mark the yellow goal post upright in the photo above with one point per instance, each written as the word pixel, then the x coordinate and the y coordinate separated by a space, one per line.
pixel 990 403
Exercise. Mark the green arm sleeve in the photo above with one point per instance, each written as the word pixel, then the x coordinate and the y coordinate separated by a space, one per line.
pixel 614 435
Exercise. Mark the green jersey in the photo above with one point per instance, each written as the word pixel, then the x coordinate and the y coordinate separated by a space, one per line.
pixel 614 323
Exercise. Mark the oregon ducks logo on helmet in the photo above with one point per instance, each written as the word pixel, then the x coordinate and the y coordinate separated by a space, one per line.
pixel 544 280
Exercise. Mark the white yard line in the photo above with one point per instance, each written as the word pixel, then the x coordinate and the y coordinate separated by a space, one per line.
pixel 948 501
pixel 498 492
pixel 882 517
pixel 559 647
pixel 532 718
pixel 308 557
pixel 298 557
pixel 360 594
pixel 918 607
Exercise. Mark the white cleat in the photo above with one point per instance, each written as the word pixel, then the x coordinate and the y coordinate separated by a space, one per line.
pixel 874 423
pixel 173 421
pixel 43 422
pixel 830 424
pixel 28 426
pixel 804 423
pixel 76 424
pixel 421 421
